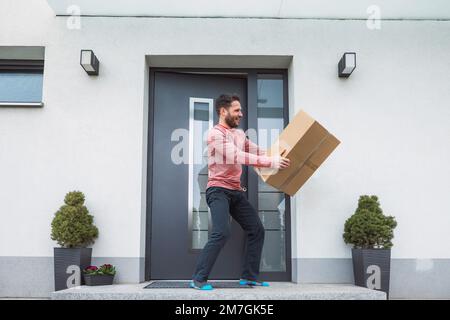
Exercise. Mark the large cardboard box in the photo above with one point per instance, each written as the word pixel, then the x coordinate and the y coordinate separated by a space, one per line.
pixel 307 144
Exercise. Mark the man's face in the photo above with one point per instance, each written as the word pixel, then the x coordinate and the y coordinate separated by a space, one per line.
pixel 233 115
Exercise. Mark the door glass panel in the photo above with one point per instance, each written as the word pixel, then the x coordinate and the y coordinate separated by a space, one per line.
pixel 271 202
pixel 274 250
pixel 272 219
pixel 200 121
pixel 199 238
pixel 200 221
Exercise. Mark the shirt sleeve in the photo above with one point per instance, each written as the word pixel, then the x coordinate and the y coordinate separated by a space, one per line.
pixel 222 150
pixel 253 148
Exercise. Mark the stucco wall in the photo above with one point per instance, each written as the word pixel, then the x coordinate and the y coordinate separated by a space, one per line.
pixel 391 115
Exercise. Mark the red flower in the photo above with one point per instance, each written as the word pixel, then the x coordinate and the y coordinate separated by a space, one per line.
pixel 92 268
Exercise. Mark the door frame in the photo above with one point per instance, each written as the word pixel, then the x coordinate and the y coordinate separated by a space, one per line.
pixel 252 122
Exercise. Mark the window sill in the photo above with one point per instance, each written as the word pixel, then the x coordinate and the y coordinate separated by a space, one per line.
pixel 22 104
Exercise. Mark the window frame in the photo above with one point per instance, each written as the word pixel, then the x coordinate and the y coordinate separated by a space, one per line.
pixel 251 75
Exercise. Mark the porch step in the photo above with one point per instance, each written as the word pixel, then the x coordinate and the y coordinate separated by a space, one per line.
pixel 276 291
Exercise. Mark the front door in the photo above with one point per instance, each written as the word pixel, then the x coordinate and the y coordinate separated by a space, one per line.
pixel 182 110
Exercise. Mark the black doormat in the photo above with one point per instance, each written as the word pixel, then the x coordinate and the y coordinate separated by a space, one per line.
pixel 185 284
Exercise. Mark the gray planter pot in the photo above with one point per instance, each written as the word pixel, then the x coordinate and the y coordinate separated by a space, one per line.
pixel 372 268
pixel 67 257
pixel 98 280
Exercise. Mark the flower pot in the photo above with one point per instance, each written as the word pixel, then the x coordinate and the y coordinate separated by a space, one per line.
pixel 98 279
pixel 371 268
pixel 64 258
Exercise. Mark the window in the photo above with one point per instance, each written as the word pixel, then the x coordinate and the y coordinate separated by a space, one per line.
pixel 200 121
pixel 271 202
pixel 21 79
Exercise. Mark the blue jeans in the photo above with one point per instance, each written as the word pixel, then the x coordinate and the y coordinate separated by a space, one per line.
pixel 222 203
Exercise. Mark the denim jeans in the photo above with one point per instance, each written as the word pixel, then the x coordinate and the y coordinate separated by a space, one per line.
pixel 222 203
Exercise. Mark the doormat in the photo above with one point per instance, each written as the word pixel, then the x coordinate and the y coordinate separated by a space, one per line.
pixel 185 284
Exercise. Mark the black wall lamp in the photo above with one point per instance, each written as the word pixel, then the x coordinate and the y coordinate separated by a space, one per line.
pixel 347 64
pixel 89 62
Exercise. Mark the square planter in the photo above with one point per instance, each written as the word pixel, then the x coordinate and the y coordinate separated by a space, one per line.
pixel 371 268
pixel 66 257
pixel 98 280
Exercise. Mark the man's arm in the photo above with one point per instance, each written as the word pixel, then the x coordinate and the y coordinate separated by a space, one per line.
pixel 277 161
pixel 225 152
pixel 253 148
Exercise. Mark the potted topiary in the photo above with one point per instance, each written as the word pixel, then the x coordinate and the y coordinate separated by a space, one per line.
pixel 371 233
pixel 99 276
pixel 73 229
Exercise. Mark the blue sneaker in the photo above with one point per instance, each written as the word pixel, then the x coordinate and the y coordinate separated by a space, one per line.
pixel 200 285
pixel 244 282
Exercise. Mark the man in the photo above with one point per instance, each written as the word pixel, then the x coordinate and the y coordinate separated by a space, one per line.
pixel 228 150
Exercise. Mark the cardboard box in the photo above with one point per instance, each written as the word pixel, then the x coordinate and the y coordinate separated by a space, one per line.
pixel 307 144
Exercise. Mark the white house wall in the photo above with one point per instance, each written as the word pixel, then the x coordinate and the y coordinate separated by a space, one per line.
pixel 392 116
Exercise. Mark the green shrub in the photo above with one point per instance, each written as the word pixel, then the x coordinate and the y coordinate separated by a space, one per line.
pixel 72 225
pixel 368 227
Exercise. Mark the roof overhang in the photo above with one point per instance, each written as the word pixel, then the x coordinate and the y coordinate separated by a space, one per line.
pixel 307 9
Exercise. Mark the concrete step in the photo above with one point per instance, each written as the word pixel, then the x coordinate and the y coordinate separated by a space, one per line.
pixel 276 291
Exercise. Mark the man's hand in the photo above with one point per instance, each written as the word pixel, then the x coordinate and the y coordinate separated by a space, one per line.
pixel 280 162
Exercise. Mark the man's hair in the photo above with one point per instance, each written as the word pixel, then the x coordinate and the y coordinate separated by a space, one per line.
pixel 225 100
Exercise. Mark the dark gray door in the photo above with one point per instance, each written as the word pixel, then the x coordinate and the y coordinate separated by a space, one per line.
pixel 183 110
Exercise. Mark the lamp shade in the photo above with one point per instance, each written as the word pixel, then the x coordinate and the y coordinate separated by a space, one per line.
pixel 89 62
pixel 347 64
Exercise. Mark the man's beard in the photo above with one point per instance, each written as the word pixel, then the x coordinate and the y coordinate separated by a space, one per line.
pixel 231 122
